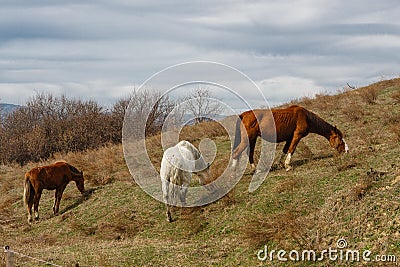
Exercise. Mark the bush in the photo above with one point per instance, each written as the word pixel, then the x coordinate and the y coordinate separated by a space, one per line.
pixel 49 124
pixel 369 95
pixel 396 96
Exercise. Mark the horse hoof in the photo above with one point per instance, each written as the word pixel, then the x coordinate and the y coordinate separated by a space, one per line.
pixel 289 168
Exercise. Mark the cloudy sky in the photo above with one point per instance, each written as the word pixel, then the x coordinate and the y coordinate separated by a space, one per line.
pixel 103 49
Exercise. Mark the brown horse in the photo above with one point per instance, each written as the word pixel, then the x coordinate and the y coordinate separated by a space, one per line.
pixel 52 177
pixel 291 124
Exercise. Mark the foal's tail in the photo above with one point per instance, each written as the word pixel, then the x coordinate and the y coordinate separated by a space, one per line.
pixel 237 132
pixel 28 189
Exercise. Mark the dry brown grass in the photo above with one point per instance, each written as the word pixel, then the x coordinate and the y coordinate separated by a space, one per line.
pixel 289 184
pixel 396 96
pixel 282 227
pixel 202 130
pixel 396 130
pixel 369 95
pixel 194 220
pixel 77 225
pixel 100 166
pixel 121 224
pixel 354 111
pixel 364 184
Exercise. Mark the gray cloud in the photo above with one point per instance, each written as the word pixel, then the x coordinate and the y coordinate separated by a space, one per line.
pixel 102 49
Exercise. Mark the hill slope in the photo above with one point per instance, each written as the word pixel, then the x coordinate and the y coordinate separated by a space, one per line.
pixel 323 199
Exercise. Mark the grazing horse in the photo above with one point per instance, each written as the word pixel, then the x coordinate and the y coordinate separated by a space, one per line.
pixel 291 124
pixel 177 166
pixel 52 177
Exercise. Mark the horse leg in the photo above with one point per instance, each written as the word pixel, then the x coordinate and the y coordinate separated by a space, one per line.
pixel 238 151
pixel 285 151
pixel 292 148
pixel 165 191
pixel 244 143
pixel 169 216
pixel 58 196
pixel 30 204
pixel 251 153
pixel 55 201
pixel 182 192
pixel 36 200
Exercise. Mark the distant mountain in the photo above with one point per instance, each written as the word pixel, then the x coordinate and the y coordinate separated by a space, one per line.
pixel 7 108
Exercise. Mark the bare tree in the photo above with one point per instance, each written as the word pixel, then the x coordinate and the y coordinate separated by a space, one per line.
pixel 149 110
pixel 202 105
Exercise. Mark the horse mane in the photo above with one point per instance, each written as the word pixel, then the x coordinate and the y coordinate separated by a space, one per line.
pixel 318 125
pixel 191 148
pixel 199 160
pixel 72 168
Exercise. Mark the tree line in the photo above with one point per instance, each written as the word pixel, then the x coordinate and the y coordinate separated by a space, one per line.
pixel 48 124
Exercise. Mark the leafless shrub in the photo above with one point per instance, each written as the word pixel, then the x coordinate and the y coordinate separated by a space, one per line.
pixel 369 95
pixel 149 110
pixel 323 101
pixel 307 101
pixel 201 106
pixel 396 96
pixel 391 119
pixel 353 111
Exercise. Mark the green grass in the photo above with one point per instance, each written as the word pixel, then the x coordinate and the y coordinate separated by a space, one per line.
pixel 310 207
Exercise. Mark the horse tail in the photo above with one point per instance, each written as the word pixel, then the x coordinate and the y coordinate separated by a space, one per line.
pixel 28 189
pixel 237 132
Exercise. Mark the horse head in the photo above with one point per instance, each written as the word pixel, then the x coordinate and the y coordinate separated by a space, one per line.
pixel 337 141
pixel 80 182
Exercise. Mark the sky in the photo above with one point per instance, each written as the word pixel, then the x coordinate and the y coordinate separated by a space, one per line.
pixel 102 50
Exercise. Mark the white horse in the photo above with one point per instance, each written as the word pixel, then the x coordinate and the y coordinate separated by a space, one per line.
pixel 177 166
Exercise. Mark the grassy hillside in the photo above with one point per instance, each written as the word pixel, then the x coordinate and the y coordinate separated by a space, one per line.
pixel 324 198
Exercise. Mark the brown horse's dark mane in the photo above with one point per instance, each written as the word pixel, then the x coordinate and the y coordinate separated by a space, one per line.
pixel 318 125
pixel 73 169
